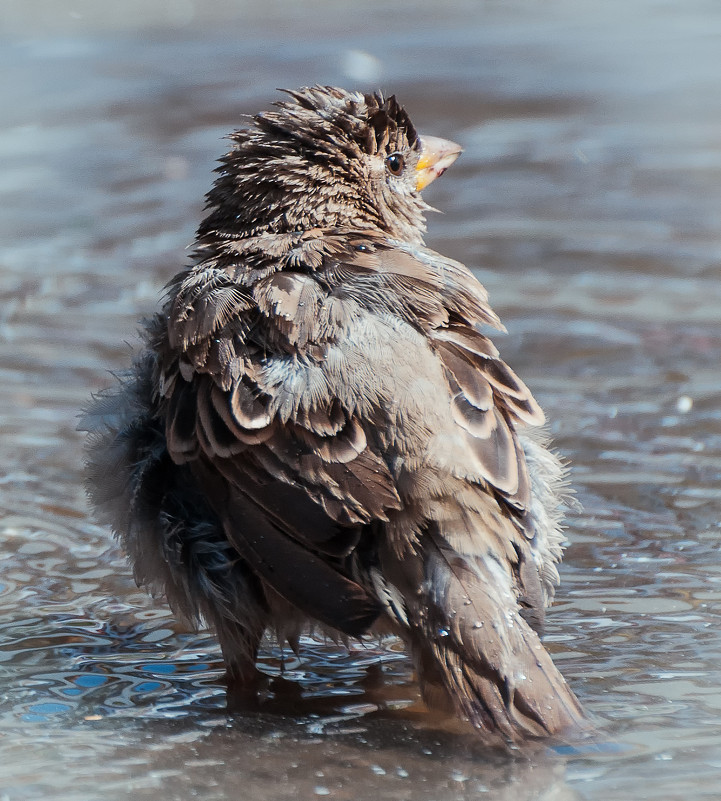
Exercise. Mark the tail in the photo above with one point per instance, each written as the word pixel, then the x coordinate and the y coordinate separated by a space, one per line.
pixel 475 652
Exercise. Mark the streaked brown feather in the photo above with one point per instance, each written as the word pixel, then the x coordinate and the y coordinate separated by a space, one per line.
pixel 287 504
pixel 207 300
pixel 247 411
pixel 497 456
pixel 471 381
pixel 324 421
pixel 292 301
pixel 515 394
pixel 467 338
pixel 180 429
pixel 478 422
pixel 224 439
pixel 367 481
pixel 342 445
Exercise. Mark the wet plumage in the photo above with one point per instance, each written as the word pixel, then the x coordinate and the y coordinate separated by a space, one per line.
pixel 318 431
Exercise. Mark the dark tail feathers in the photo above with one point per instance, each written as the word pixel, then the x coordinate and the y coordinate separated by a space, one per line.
pixel 475 650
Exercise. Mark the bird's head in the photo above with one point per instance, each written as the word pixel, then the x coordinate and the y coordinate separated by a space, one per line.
pixel 327 158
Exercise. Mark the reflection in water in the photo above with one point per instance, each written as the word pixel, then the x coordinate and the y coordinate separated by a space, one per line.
pixel 587 199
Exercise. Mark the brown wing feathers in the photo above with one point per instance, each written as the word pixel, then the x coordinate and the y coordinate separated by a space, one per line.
pixel 280 490
pixel 303 577
pixel 293 487
pixel 319 430
pixel 320 448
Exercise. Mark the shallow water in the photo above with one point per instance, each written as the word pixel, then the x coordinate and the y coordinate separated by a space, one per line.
pixel 589 201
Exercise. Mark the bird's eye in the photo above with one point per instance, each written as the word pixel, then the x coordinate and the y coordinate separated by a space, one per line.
pixel 395 163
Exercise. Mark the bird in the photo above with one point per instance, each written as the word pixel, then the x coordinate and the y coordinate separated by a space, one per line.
pixel 318 432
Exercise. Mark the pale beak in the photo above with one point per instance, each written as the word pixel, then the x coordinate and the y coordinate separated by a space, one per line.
pixel 437 155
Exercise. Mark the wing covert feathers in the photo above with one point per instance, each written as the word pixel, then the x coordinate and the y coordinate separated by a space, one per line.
pixel 320 431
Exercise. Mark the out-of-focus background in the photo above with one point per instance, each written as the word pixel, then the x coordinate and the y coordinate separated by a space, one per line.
pixel 588 200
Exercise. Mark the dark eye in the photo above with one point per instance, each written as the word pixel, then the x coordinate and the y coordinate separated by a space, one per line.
pixel 395 163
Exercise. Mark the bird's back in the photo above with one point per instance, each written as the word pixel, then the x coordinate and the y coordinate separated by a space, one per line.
pixel 320 432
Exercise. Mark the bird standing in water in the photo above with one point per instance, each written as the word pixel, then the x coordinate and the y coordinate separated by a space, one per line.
pixel 318 433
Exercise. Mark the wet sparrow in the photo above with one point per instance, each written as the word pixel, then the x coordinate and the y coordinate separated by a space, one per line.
pixel 318 433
